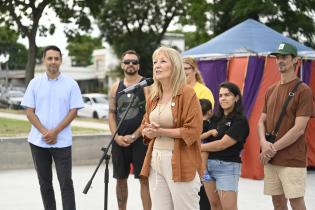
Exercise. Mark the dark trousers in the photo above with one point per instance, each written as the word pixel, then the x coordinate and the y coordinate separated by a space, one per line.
pixel 42 158
pixel 203 202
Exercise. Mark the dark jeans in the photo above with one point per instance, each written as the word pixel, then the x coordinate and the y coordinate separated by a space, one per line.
pixel 42 158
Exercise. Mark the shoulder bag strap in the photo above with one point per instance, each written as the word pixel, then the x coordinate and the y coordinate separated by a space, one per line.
pixel 284 107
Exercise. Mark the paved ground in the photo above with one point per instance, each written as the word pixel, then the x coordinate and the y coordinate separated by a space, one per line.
pixel 19 191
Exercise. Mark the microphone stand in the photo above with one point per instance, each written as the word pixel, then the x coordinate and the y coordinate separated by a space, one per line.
pixel 106 157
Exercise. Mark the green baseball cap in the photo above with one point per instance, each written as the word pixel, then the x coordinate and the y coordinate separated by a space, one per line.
pixel 285 49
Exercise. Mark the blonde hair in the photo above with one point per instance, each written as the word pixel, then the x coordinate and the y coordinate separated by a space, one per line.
pixel 178 78
pixel 192 62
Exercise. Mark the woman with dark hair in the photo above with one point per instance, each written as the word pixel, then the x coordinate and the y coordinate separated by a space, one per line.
pixel 224 161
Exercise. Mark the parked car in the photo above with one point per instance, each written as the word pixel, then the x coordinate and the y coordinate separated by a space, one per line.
pixel 13 98
pixel 95 105
pixel 4 104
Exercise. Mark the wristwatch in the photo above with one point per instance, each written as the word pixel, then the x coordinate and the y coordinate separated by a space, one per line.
pixel 133 137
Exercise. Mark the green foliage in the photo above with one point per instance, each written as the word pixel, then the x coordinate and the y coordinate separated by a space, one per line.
pixel 138 25
pixel 25 15
pixel 295 18
pixel 18 56
pixel 14 128
pixel 105 90
pixel 193 39
pixel 81 48
pixel 10 127
pixel 8 35
pixel 141 24
pixel 17 51
pixel 144 43
pixel 39 54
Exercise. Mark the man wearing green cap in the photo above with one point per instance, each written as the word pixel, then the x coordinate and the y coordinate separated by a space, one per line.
pixel 284 158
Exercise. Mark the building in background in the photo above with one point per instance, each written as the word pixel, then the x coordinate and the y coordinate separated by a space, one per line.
pixel 97 77
pixel 175 40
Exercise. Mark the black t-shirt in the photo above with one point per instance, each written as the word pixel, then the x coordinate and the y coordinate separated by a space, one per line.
pixel 236 127
pixel 209 125
pixel 135 114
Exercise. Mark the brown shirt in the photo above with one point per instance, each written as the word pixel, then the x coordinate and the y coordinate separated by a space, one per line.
pixel 187 116
pixel 300 105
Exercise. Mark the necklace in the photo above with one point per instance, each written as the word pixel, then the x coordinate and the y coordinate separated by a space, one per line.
pixel 161 108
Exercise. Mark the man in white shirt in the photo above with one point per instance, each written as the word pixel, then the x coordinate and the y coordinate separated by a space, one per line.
pixel 51 102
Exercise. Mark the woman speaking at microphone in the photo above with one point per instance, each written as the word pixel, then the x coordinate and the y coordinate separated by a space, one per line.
pixel 172 127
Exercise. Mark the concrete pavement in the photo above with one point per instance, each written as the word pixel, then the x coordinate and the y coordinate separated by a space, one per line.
pixel 19 190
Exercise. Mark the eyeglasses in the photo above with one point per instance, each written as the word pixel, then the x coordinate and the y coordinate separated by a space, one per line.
pixel 188 68
pixel 133 62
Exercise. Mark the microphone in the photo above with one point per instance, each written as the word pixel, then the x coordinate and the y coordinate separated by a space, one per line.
pixel 142 84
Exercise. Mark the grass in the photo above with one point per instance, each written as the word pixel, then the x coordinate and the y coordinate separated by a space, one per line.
pixel 18 128
pixel 10 128
pixel 13 111
pixel 21 111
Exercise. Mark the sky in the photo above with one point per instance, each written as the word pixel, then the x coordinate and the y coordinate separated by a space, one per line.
pixel 58 38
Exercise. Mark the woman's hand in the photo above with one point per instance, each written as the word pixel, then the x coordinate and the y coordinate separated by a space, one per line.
pixel 151 130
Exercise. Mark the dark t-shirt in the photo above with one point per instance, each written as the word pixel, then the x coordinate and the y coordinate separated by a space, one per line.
pixel 300 105
pixel 209 125
pixel 236 127
pixel 135 114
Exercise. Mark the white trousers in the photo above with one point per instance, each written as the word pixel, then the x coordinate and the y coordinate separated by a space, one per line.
pixel 167 194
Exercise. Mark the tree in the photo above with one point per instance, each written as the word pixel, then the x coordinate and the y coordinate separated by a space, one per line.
pixel 294 18
pixel 81 48
pixel 25 16
pixel 138 25
pixel 17 51
pixel 197 15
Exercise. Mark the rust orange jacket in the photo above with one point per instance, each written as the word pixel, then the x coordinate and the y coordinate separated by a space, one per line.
pixel 187 116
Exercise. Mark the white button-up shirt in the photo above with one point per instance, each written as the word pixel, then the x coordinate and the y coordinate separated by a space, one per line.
pixel 52 101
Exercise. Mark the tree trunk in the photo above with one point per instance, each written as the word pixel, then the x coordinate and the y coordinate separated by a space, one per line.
pixel 31 59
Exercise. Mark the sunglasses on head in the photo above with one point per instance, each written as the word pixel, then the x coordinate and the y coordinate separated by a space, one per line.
pixel 133 62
